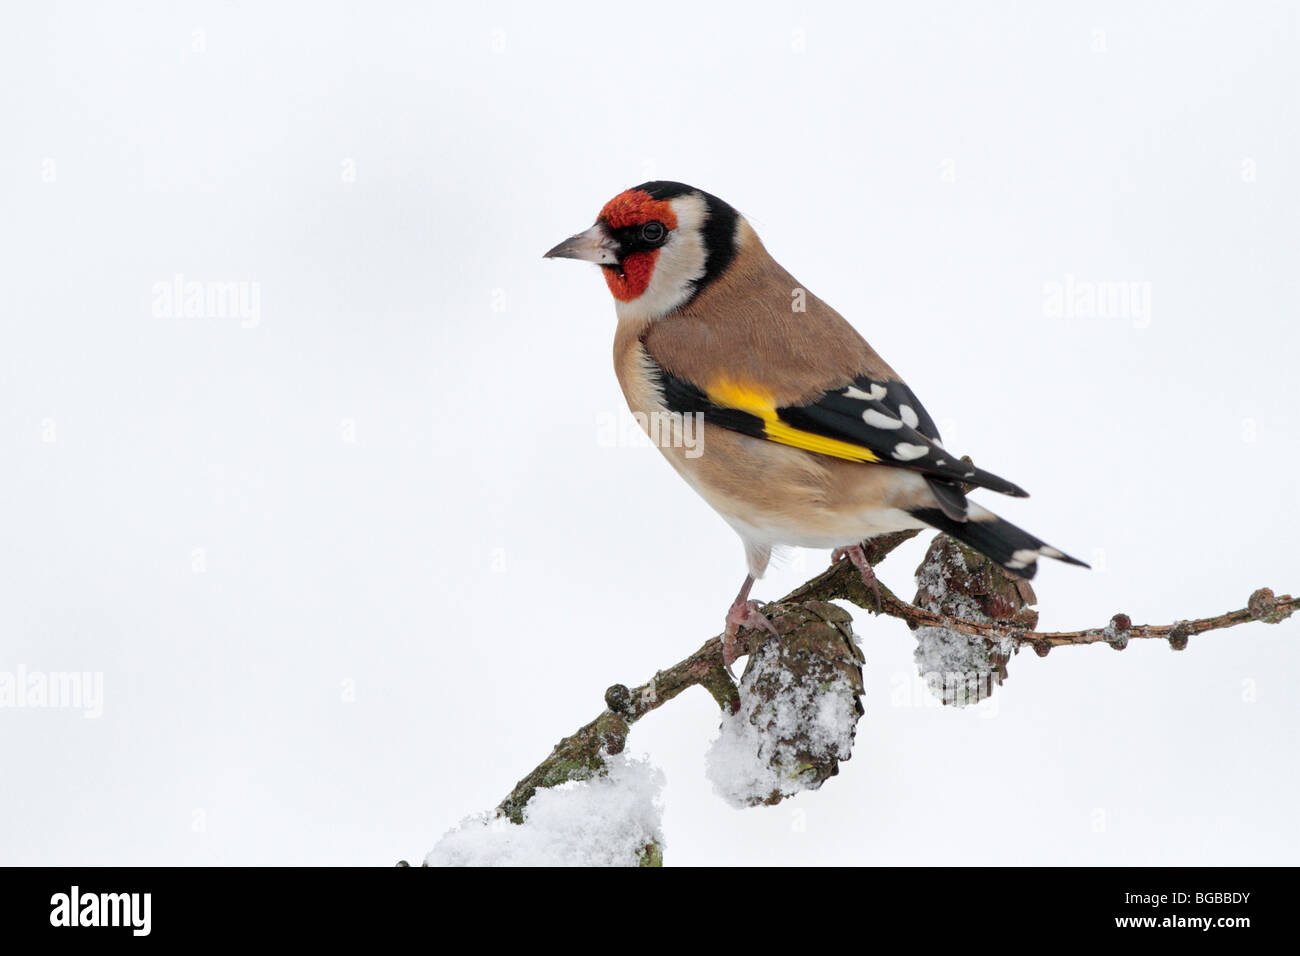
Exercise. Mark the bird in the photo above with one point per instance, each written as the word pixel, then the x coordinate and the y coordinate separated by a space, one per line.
pixel 768 403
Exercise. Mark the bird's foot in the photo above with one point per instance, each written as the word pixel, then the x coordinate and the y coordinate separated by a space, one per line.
pixel 859 559
pixel 742 614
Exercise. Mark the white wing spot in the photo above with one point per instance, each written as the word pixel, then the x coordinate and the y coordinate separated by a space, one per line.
pixel 880 420
pixel 908 415
pixel 876 394
pixel 1023 558
pixel 1050 552
pixel 905 452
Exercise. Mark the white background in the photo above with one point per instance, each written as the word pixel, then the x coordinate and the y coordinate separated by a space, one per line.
pixel 477 564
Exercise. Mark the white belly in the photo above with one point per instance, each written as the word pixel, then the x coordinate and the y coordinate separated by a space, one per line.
pixel 856 529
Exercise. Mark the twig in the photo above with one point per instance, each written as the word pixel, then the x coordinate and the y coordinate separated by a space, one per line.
pixel 1262 606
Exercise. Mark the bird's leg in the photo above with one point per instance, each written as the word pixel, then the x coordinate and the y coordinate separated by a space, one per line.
pixel 859 558
pixel 742 613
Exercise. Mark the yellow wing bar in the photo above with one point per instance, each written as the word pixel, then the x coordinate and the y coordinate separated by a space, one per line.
pixel 759 403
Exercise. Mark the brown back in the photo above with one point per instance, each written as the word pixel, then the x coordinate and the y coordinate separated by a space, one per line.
pixel 743 327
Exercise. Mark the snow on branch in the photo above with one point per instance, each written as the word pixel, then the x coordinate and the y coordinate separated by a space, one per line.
pixel 792 718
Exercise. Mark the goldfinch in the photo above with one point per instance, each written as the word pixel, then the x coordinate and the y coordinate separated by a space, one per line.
pixel 806 437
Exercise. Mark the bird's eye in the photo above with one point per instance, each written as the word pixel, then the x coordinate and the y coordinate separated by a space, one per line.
pixel 654 232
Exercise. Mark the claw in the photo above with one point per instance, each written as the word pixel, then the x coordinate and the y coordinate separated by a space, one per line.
pixel 742 614
pixel 859 558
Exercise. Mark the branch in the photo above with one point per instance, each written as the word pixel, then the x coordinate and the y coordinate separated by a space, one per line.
pixel 580 755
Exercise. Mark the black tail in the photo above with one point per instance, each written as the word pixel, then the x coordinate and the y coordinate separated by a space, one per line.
pixel 1014 548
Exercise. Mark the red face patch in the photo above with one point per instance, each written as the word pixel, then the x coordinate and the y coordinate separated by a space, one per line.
pixel 635 278
pixel 634 208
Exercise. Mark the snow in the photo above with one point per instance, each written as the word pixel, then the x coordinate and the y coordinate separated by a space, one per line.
pixel 932 585
pixel 787 736
pixel 959 669
pixel 607 820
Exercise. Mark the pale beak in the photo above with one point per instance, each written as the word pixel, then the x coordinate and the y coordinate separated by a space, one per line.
pixel 595 245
